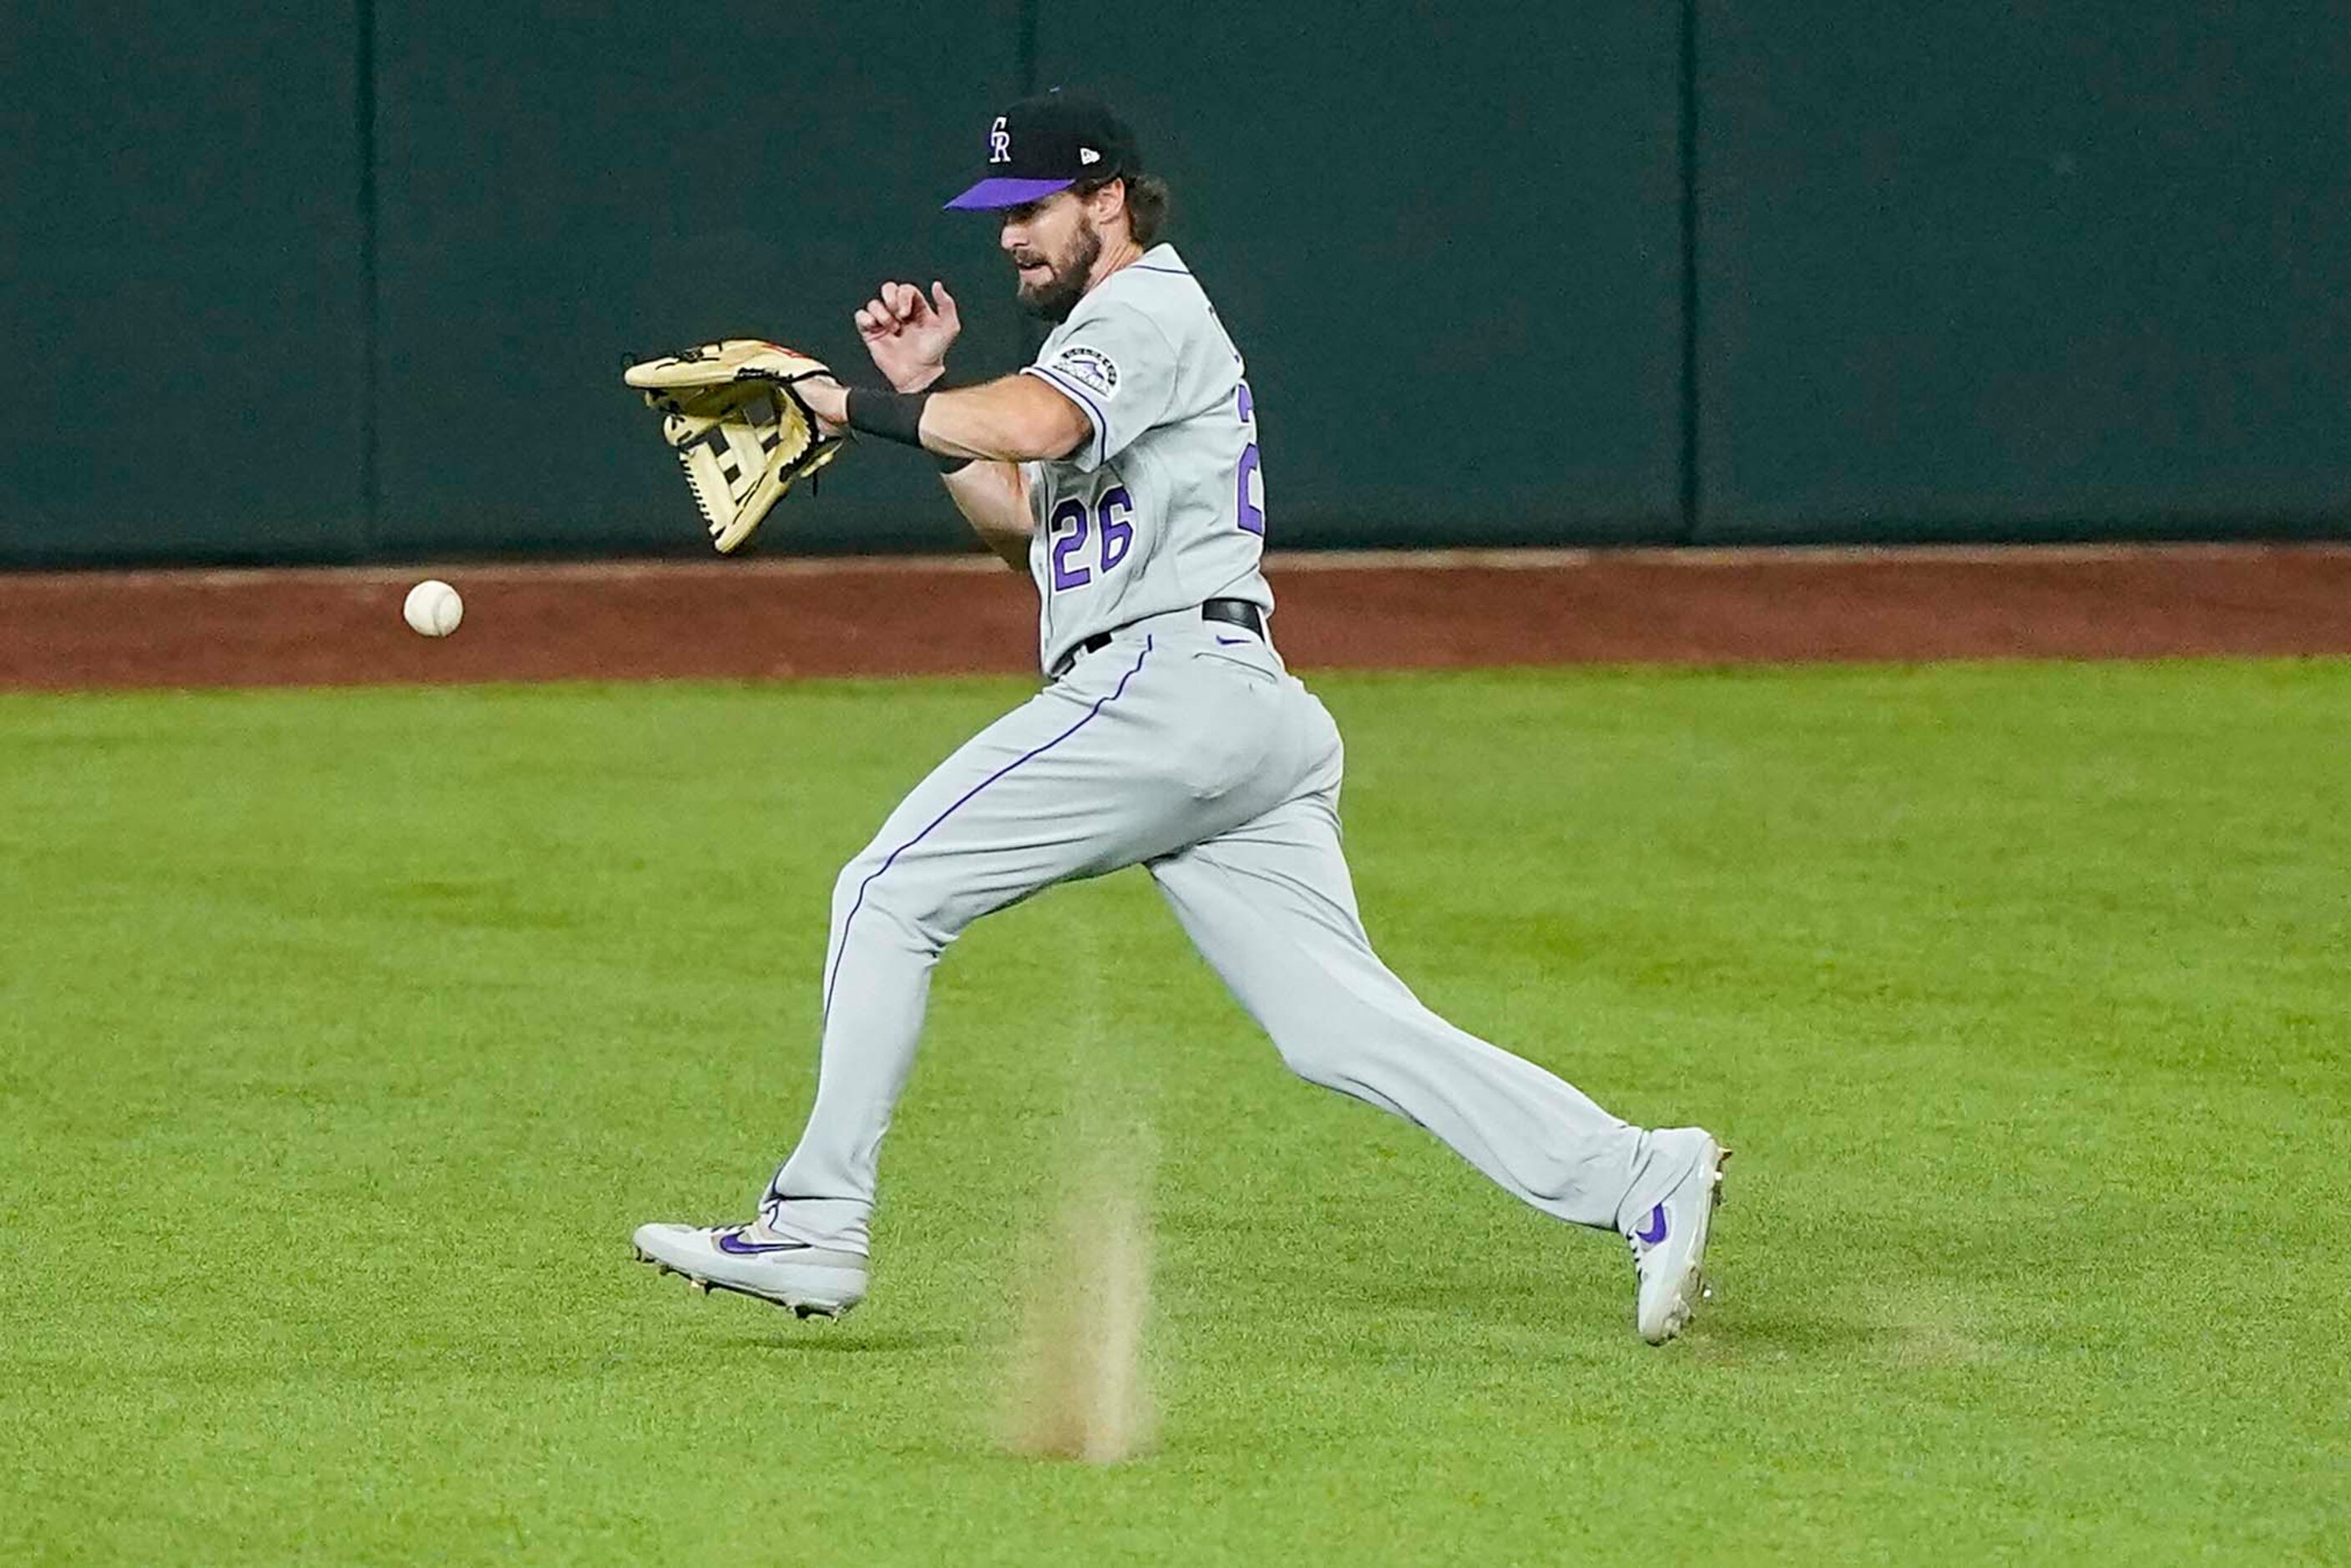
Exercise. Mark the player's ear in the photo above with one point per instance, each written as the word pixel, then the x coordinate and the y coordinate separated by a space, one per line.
pixel 1108 200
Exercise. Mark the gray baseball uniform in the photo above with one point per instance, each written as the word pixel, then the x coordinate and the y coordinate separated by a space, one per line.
pixel 1183 745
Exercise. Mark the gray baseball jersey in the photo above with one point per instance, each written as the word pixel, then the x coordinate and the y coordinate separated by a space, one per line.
pixel 1165 505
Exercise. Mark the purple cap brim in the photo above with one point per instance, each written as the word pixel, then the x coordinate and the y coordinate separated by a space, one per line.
pixel 992 194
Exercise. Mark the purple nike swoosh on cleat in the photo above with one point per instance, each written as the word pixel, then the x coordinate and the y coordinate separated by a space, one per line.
pixel 1655 1231
pixel 1230 642
pixel 729 1241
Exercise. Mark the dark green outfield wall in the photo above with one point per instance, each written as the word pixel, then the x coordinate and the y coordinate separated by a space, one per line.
pixel 1449 248
pixel 180 223
pixel 2026 270
pixel 354 280
pixel 556 193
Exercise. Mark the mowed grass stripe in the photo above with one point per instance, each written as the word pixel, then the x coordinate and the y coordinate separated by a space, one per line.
pixel 347 1035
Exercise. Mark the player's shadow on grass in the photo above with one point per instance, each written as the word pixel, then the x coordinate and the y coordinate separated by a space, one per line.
pixel 816 1340
pixel 1572 1319
pixel 1733 1330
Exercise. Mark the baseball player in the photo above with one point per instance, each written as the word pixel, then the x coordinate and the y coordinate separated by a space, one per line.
pixel 1121 470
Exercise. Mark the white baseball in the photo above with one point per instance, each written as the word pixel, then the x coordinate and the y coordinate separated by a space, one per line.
pixel 434 608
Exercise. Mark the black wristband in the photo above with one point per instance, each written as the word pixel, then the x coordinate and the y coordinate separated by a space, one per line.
pixel 891 415
pixel 955 465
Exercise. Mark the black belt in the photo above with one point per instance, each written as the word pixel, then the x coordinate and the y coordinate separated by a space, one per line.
pixel 1238 612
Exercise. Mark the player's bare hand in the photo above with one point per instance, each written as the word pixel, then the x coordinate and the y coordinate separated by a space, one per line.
pixel 907 334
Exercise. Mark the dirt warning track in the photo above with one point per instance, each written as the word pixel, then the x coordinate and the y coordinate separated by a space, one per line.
pixel 780 618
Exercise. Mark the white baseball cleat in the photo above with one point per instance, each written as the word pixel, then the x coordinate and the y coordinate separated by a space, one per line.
pixel 753 1260
pixel 1670 1241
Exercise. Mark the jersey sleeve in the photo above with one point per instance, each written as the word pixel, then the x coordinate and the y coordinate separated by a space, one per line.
pixel 1119 367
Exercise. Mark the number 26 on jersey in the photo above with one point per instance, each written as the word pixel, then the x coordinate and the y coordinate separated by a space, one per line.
pixel 1108 525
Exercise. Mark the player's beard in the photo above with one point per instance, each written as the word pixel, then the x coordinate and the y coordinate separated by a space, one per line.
pixel 1053 299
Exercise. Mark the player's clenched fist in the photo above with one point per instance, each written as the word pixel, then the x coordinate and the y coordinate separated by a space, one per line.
pixel 908 335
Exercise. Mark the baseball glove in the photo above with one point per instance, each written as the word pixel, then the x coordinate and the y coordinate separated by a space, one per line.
pixel 741 432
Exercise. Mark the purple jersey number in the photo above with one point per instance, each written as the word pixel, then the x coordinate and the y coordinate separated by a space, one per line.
pixel 1070 514
pixel 1116 531
pixel 1250 502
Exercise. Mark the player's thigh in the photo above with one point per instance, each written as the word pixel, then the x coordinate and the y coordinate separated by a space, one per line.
pixel 1063 786
pixel 1267 895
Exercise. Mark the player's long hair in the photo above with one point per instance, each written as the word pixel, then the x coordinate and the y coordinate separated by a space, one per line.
pixel 1147 201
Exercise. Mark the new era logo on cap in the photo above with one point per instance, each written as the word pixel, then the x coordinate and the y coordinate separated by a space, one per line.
pixel 1049 143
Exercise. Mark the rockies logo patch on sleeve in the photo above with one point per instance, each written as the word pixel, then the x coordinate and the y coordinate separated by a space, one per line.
pixel 1089 368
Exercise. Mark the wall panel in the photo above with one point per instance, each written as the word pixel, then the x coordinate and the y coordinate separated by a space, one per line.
pixel 1447 239
pixel 180 264
pixel 564 185
pixel 2024 269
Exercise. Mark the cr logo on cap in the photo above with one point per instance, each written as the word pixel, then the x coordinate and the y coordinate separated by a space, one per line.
pixel 1000 142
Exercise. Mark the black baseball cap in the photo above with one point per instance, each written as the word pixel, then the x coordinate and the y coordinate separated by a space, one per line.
pixel 1049 143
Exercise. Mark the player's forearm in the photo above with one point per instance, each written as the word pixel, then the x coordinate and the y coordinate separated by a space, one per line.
pixel 994 499
pixel 1016 419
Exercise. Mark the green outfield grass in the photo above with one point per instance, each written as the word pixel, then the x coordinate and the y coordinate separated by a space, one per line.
pixel 347 1035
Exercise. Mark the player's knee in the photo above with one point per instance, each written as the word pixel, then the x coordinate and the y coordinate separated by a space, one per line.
pixel 1309 1054
pixel 851 884
pixel 871 888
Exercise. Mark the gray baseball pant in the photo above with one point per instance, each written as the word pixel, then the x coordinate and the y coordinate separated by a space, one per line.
pixel 1185 746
